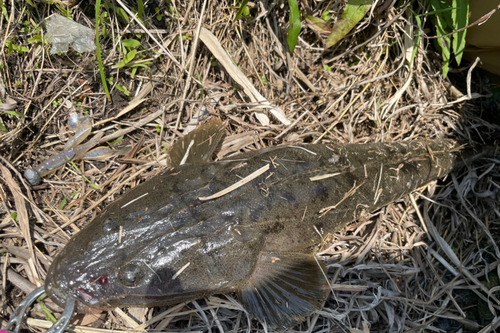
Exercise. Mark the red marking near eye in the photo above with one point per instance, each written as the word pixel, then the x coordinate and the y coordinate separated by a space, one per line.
pixel 102 280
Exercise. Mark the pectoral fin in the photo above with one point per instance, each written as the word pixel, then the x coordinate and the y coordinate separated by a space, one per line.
pixel 285 288
pixel 199 145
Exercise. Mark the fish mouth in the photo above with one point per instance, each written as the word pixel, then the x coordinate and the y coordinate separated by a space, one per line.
pixel 60 296
pixel 86 301
pixel 61 286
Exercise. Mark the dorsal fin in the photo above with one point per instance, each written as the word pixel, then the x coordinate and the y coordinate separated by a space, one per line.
pixel 285 288
pixel 199 145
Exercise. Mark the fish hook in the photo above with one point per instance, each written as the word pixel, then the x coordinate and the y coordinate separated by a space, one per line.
pixel 17 316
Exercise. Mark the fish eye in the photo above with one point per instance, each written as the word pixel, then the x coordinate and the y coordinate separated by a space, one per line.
pixel 109 225
pixel 131 275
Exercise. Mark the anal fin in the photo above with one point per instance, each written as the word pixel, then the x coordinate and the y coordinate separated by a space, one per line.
pixel 285 288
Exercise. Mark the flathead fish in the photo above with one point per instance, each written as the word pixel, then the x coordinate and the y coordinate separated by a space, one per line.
pixel 247 224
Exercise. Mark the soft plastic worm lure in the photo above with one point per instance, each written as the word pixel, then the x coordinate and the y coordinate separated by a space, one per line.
pixel 73 150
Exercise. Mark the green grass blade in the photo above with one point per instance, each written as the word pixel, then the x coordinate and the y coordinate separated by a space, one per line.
pixel 443 43
pixel 98 48
pixel 418 37
pixel 94 186
pixel 48 315
pixel 140 8
pixel 294 25
pixel 460 17
pixel 242 8
pixel 63 202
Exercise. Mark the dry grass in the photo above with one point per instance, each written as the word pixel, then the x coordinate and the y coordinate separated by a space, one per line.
pixel 419 264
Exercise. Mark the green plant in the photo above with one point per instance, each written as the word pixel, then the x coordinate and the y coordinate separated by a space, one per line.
pixel 56 103
pixel 94 186
pixel 122 14
pixel 117 141
pixel 65 11
pixel 159 16
pixel 63 202
pixel 12 46
pixel 12 113
pixel 355 11
pixel 119 87
pixel 450 19
pixel 47 313
pixel 294 23
pixel 132 56
pixel 4 10
pixel 98 48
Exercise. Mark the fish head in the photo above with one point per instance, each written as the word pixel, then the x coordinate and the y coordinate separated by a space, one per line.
pixel 118 260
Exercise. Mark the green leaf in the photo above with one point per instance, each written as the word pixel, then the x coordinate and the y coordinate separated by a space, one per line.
pixel 417 40
pixel 14 113
pixel 47 313
pixel 98 48
pixel 242 9
pixel 326 16
pixel 130 56
pixel 140 8
pixel 35 39
pixel 94 186
pixel 122 13
pixel 3 128
pixel 320 26
pixel 117 141
pixel 294 25
pixel 443 43
pixel 132 43
pixel 460 17
pixel 134 71
pixel 63 202
pixel 122 89
pixel 14 216
pixel 354 12
pixel 4 12
pixel 142 64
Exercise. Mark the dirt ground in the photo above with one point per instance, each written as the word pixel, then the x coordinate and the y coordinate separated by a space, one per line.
pixel 428 262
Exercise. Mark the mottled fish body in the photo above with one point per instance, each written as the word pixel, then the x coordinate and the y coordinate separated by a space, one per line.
pixel 247 224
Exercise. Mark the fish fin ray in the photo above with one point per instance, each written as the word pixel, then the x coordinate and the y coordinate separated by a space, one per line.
pixel 284 288
pixel 205 139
